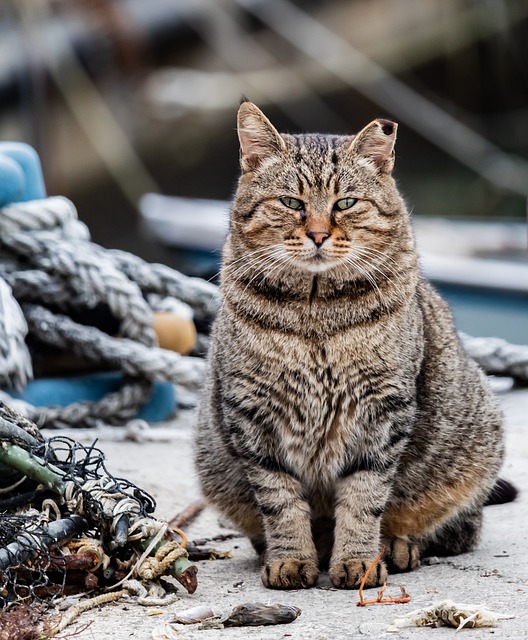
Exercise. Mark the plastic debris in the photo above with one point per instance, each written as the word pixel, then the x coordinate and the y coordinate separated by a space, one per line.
pixel 193 615
pixel 447 613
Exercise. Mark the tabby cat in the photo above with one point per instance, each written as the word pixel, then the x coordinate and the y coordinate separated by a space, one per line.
pixel 340 413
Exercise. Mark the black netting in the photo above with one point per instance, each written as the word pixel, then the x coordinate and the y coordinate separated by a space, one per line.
pixel 57 535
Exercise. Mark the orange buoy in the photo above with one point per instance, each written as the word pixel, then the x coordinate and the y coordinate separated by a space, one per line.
pixel 174 332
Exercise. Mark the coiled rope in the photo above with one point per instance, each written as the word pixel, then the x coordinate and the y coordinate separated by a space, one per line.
pixel 498 357
pixel 50 269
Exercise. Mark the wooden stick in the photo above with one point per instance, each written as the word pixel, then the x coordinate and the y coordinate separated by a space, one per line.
pixel 187 515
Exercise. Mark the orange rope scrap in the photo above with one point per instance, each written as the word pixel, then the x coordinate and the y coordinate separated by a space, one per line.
pixel 403 599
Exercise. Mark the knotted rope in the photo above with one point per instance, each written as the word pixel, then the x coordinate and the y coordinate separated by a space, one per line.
pixel 50 269
pixel 498 357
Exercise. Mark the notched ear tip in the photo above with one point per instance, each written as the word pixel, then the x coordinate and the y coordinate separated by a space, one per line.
pixel 376 142
pixel 388 127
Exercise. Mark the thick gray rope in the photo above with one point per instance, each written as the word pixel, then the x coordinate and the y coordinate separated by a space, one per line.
pixel 498 357
pixel 33 285
pixel 35 215
pixel 47 259
pixel 15 361
pixel 131 357
pixel 94 274
pixel 199 294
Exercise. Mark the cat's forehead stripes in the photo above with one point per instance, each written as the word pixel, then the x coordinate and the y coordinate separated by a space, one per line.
pixel 316 160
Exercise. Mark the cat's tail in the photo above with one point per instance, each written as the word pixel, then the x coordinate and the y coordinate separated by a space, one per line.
pixel 503 491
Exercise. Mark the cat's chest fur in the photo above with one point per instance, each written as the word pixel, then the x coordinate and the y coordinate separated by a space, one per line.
pixel 322 411
pixel 318 395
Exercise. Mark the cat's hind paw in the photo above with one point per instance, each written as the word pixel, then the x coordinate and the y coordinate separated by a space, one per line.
pixel 348 574
pixel 286 573
pixel 401 555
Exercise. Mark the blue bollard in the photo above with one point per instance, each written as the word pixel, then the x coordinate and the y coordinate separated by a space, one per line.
pixel 21 176
pixel 12 181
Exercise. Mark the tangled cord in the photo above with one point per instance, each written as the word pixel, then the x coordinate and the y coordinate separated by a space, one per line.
pixel 147 597
pixel 50 269
pixel 96 502
pixel 154 566
pixel 498 357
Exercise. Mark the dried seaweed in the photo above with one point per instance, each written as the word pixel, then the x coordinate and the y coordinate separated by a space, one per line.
pixel 20 623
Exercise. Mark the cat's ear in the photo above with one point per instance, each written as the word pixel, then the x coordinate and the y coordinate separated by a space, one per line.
pixel 259 139
pixel 376 143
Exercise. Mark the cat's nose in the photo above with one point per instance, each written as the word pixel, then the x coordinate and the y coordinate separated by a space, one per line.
pixel 318 236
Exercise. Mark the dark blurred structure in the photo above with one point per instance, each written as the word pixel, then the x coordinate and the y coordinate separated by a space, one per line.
pixel 122 97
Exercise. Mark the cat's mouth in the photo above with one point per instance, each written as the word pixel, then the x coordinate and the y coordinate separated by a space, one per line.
pixel 313 259
pixel 319 262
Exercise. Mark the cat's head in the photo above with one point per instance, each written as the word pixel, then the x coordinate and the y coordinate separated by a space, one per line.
pixel 316 202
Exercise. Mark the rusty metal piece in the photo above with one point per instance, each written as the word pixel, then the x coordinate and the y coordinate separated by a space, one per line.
pixel 87 560
pixel 91 581
pixel 97 551
pixel 189 579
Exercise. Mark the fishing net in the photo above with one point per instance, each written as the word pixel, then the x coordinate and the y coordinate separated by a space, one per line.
pixel 67 525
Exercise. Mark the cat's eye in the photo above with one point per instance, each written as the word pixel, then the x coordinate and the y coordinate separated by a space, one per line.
pixel 345 203
pixel 292 203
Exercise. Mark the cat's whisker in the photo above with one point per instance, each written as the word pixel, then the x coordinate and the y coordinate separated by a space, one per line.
pixel 282 263
pixel 241 270
pixel 395 283
pixel 258 263
pixel 250 254
pixel 372 265
pixel 276 259
pixel 234 278
pixel 395 286
pixel 378 257
pixel 368 276
pixel 371 250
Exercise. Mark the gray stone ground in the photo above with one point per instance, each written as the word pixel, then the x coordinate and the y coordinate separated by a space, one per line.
pixel 496 575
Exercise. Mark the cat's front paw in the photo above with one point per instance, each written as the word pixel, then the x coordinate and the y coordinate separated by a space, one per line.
pixel 348 574
pixel 286 573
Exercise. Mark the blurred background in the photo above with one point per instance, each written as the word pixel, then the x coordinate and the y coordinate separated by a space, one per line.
pixel 123 98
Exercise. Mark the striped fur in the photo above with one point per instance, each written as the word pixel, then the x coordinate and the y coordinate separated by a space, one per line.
pixel 340 412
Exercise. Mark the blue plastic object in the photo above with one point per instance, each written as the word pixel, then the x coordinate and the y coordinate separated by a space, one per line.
pixel 11 180
pixel 60 392
pixel 21 176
